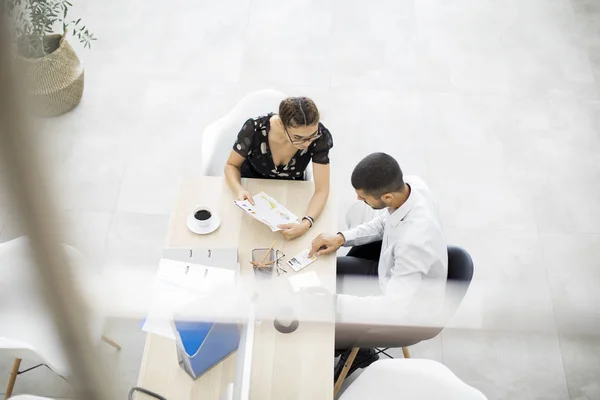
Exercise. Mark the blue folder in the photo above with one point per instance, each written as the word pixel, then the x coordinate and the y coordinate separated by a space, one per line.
pixel 202 345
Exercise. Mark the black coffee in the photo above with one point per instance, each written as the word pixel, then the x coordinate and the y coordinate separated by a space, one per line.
pixel 202 215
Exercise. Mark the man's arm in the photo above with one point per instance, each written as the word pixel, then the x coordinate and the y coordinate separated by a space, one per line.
pixel 411 262
pixel 366 233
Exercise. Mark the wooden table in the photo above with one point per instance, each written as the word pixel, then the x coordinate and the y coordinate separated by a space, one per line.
pixel 293 366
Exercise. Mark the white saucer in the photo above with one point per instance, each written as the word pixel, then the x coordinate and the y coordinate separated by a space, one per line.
pixel 205 230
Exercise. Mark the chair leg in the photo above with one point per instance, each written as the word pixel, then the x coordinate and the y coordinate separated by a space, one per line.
pixel 110 342
pixel 347 365
pixel 405 352
pixel 12 378
pixel 383 351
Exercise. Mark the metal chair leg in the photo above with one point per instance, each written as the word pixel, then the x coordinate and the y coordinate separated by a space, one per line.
pixel 12 378
pixel 405 352
pixel 383 351
pixel 347 365
pixel 110 342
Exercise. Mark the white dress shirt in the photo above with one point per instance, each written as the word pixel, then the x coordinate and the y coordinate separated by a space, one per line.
pixel 413 265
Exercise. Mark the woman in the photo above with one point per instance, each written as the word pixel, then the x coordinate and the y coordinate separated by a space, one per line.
pixel 280 146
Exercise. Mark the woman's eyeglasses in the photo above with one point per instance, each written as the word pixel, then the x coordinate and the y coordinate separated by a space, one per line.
pixel 315 135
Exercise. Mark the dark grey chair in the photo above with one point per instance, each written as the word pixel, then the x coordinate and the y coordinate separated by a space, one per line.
pixel 460 274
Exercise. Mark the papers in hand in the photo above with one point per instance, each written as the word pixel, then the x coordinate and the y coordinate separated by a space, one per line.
pixel 178 285
pixel 268 211
pixel 301 260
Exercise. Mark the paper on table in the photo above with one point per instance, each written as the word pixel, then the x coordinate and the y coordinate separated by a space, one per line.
pixel 268 211
pixel 179 284
pixel 301 261
pixel 304 281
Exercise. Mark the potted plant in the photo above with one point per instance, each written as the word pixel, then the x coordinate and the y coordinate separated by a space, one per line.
pixel 53 74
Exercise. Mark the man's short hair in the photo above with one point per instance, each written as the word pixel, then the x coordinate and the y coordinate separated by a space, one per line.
pixel 378 174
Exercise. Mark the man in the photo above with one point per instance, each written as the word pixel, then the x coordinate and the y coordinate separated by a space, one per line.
pixel 403 248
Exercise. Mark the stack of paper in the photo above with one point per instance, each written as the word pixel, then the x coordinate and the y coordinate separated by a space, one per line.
pixel 268 211
pixel 179 284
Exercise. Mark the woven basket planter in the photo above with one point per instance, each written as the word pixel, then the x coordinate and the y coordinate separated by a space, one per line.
pixel 54 83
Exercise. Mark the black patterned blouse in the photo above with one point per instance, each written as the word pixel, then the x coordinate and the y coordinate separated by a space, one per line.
pixel 252 143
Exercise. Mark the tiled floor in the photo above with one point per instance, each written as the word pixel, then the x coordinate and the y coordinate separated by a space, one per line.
pixel 495 104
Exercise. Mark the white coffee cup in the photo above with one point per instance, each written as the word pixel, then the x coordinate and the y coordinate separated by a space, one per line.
pixel 202 216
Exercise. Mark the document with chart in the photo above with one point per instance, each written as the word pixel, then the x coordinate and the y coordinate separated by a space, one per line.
pixel 268 211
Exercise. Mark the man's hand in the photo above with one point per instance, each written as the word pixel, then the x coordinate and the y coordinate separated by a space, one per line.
pixel 243 194
pixel 326 244
pixel 292 231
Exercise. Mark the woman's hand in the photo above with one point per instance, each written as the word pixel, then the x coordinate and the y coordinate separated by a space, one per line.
pixel 292 231
pixel 243 194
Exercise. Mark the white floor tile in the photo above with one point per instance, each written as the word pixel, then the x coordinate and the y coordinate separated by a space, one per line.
pixel 507 365
pixel 124 365
pixel 569 207
pixel 463 134
pixel 147 194
pixel 375 48
pixel 136 240
pixel 504 262
pixel 150 180
pixel 555 138
pixel 95 171
pixel 573 275
pixel 87 232
pixel 581 357
pixel 301 59
pixel 499 204
pixel 366 121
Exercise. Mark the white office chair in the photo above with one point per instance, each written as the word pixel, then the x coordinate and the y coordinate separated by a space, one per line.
pixel 27 331
pixel 218 137
pixel 359 213
pixel 409 379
